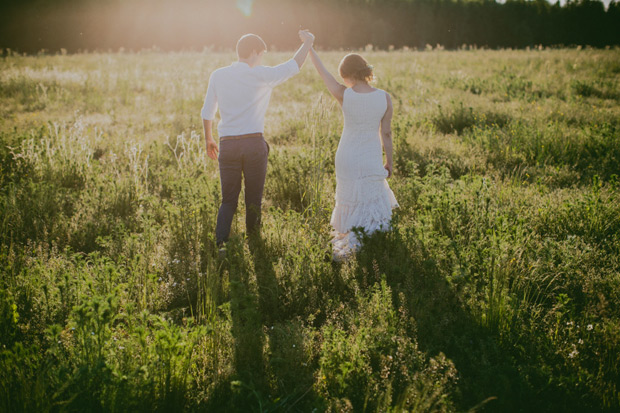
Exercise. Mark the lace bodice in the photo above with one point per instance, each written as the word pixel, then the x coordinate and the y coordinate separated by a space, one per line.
pixel 363 111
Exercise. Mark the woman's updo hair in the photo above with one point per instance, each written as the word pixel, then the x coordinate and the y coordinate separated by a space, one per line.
pixel 354 66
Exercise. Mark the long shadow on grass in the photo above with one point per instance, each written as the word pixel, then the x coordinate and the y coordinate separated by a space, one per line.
pixel 291 380
pixel 244 390
pixel 487 368
pixel 247 330
pixel 269 377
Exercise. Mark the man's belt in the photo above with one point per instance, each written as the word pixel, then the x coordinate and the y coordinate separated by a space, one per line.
pixel 235 137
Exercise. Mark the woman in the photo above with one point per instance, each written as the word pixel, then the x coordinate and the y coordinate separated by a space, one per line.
pixel 363 196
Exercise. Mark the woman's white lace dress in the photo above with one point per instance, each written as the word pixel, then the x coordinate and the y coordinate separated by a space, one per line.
pixel 363 196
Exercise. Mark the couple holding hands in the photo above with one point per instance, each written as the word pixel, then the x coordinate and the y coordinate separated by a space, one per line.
pixel 242 92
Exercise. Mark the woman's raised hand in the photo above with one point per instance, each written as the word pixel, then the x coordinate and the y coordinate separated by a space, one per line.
pixel 306 37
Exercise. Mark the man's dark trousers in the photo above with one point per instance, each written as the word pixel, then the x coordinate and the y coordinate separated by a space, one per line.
pixel 241 157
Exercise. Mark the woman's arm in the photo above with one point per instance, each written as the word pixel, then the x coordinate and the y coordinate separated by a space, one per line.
pixel 386 135
pixel 335 88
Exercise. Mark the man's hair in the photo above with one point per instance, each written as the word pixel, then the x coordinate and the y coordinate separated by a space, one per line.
pixel 249 43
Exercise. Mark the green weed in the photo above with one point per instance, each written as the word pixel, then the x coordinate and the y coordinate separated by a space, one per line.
pixel 496 287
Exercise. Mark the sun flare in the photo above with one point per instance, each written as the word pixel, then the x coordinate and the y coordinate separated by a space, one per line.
pixel 245 7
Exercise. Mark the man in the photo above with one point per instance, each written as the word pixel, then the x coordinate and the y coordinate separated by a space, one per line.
pixel 242 92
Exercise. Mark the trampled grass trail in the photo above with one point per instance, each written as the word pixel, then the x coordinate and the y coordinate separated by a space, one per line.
pixel 498 288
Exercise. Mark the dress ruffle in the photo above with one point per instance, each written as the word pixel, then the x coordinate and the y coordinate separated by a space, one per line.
pixel 372 213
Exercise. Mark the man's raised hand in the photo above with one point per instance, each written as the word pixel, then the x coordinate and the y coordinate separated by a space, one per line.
pixel 306 37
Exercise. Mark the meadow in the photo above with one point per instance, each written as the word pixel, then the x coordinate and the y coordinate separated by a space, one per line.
pixel 498 288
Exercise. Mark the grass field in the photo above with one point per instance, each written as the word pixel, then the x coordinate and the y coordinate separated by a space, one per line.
pixel 498 288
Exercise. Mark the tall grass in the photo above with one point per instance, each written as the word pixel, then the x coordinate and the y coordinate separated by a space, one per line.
pixel 496 290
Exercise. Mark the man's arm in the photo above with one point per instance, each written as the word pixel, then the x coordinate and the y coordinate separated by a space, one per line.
pixel 276 75
pixel 208 114
pixel 308 40
pixel 212 149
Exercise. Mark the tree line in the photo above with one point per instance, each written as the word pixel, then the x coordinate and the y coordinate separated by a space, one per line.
pixel 32 25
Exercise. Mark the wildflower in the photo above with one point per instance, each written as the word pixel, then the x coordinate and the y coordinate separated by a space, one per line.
pixel 580 341
pixel 590 327
pixel 573 354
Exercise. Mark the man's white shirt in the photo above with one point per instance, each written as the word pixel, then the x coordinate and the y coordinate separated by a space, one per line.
pixel 242 94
